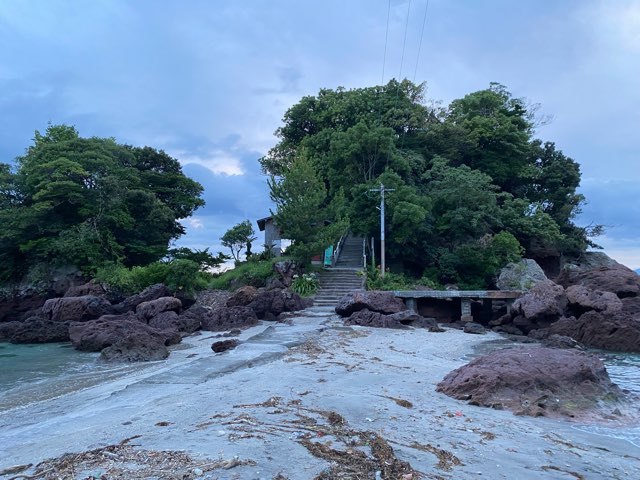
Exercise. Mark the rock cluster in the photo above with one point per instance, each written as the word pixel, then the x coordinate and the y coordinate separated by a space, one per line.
pixel 142 326
pixel 535 381
pixel 379 309
pixel 596 303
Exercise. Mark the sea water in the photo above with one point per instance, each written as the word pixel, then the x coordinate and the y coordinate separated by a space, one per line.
pixel 37 372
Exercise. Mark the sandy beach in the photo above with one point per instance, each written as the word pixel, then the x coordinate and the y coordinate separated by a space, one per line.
pixel 301 400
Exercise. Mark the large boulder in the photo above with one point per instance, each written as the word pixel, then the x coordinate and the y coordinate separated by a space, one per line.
pixel 268 304
pixel 18 306
pixel 38 330
pixel 523 275
pixel 75 309
pixel 546 301
pixel 172 321
pixel 151 308
pixel 533 381
pixel 152 292
pixel 242 297
pixel 89 288
pixel 596 271
pixel 581 300
pixel 618 332
pixel 135 347
pixel 374 301
pixel 226 318
pixel 367 318
pixel 95 335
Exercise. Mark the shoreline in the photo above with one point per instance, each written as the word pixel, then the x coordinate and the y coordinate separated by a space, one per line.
pixel 242 403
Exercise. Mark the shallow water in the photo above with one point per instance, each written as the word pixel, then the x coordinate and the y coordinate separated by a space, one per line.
pixel 37 372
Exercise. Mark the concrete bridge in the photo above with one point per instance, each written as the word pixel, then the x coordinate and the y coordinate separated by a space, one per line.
pixel 411 297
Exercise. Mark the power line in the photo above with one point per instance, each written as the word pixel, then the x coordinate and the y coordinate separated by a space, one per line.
pixel 386 38
pixel 424 22
pixel 404 43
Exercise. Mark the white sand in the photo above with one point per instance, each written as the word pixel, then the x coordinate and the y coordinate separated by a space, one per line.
pixel 351 371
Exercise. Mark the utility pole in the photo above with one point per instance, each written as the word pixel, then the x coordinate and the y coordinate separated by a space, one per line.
pixel 382 190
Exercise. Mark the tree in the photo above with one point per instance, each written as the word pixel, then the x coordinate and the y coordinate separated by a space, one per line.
pixel 304 212
pixel 238 237
pixel 88 201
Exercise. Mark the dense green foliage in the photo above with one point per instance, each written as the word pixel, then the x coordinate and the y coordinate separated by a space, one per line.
pixel 181 276
pixel 306 284
pixel 90 201
pixel 254 272
pixel 473 188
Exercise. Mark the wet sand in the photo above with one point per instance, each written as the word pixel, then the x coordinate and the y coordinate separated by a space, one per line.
pixel 310 397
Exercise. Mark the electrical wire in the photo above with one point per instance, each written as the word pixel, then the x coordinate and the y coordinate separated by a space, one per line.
pixel 424 22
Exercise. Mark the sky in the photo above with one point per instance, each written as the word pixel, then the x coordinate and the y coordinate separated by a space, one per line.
pixel 209 82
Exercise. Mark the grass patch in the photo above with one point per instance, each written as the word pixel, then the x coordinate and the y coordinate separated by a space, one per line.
pixel 252 272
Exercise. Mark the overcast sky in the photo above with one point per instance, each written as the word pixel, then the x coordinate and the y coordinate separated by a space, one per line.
pixel 209 82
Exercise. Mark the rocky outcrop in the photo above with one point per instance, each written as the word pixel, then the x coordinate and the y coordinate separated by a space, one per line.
pixel 172 321
pixel 89 288
pixel 151 308
pixel 618 332
pixel 374 301
pixel 535 381
pixel 17 307
pixel 545 301
pixel 242 296
pixel 7 329
pixel 75 309
pixel 38 330
pixel 285 269
pixel 523 275
pixel 152 292
pixel 599 272
pixel 404 319
pixel 268 304
pixel 581 300
pixel 135 347
pixel 474 328
pixel 226 318
pixel 95 335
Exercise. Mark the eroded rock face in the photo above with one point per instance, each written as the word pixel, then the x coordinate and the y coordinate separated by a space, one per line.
pixel 533 381
pixel 242 296
pixel 523 275
pixel 173 321
pixel 39 330
pixel 617 332
pixel 545 301
pixel 581 300
pixel 268 304
pixel 226 318
pixel 152 292
pixel 148 310
pixel 90 288
pixel 286 269
pixel 95 335
pixel 135 347
pixel 374 301
pixel 605 275
pixel 7 329
pixel 367 318
pixel 75 309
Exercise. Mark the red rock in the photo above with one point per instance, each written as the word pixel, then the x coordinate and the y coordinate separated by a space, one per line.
pixel 374 301
pixel 581 299
pixel 242 296
pixel 534 381
pixel 618 332
pixel 544 301
pixel 226 318
pixel 75 309
pixel 151 308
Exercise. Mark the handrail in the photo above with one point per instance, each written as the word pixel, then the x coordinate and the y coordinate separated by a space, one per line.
pixel 364 253
pixel 338 249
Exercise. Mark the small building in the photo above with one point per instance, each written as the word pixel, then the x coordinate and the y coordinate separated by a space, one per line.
pixel 272 235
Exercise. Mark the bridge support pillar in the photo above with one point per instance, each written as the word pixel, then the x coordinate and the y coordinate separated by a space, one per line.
pixel 411 303
pixel 465 310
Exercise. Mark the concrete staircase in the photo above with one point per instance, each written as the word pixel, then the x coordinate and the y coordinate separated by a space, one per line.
pixel 343 278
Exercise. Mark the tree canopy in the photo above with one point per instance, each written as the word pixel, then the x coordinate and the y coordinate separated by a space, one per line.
pixel 88 201
pixel 473 186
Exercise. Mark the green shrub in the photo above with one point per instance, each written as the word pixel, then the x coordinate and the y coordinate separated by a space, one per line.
pixel 253 272
pixel 179 275
pixel 305 284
